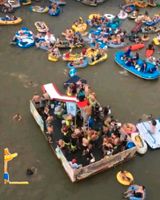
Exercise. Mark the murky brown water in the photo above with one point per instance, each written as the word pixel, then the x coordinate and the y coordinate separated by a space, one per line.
pixel 23 71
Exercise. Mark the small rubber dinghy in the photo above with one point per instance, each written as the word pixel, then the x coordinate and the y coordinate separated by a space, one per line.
pixel 41 26
pixel 141 145
pixel 124 177
pixel 82 63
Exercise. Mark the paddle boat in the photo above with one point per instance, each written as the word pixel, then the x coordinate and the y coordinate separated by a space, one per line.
pixel 59 2
pixel 150 132
pixel 122 14
pixel 24 38
pixel 54 12
pixel 10 21
pixel 141 145
pixel 82 63
pixel 101 59
pixel 41 26
pixel 135 47
pixel 125 177
pixel 39 9
pixel 130 193
pixel 150 73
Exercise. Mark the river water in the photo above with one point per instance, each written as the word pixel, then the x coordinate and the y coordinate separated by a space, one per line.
pixel 23 71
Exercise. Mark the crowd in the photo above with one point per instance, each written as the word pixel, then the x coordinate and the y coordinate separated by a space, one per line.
pixel 92 131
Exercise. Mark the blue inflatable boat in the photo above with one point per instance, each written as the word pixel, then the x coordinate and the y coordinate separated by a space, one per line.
pixel 55 13
pixel 150 73
pixel 71 65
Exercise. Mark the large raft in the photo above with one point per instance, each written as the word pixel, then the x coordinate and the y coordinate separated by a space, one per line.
pixel 102 162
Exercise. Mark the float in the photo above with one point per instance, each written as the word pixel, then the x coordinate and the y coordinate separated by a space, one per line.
pixel 129 8
pixel 124 177
pixel 41 26
pixel 109 16
pixel 24 38
pixel 80 27
pixel 135 47
pixel 78 63
pixel 39 9
pixel 91 16
pixel 147 75
pixel 141 145
pixel 140 4
pixel 116 45
pixel 5 21
pixel 134 188
pixel 153 22
pixel 103 58
pixel 150 29
pixel 150 133
pixel 156 41
pixel 128 128
pixel 71 57
pixel 56 12
pixel 122 14
pixel 52 58
pixel 59 2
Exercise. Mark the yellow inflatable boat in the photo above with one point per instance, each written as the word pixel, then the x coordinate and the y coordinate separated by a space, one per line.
pixel 103 58
pixel 80 27
pixel 4 21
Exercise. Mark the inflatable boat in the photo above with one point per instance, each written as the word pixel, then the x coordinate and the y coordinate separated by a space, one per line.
pixel 136 70
pixel 5 21
pixel 39 9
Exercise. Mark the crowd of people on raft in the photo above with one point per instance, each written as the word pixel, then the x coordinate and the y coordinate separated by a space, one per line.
pixel 93 129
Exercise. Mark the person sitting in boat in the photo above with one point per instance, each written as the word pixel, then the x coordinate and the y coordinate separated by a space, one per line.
pixel 126 54
pixel 55 52
pixel 136 57
pixel 7 17
pixel 129 62
pixel 143 66
pixel 139 192
pixel 49 37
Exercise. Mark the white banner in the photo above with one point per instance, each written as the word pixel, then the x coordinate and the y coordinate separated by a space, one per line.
pixel 71 108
